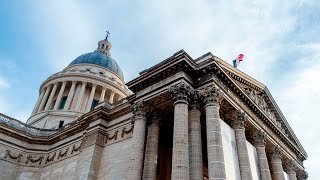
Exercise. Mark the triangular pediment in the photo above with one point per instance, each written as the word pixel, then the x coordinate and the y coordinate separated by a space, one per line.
pixel 261 96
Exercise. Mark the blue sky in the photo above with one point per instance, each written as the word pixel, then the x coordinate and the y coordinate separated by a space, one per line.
pixel 280 40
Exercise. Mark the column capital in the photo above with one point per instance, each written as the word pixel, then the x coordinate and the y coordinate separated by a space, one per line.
pixel 181 92
pixel 276 153
pixel 290 166
pixel 195 100
pixel 259 137
pixel 155 118
pixel 212 95
pixel 139 109
pixel 239 120
pixel 302 175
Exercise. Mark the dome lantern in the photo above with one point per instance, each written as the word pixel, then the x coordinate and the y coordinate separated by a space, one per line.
pixel 104 46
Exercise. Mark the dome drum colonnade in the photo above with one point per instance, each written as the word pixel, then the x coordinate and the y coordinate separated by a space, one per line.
pixel 187 160
pixel 73 94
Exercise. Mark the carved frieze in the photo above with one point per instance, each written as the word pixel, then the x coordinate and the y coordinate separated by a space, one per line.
pixel 13 156
pixel 125 131
pixel 50 159
pixel 63 153
pixel 31 159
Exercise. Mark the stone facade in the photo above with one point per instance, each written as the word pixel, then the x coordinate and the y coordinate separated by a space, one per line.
pixel 185 119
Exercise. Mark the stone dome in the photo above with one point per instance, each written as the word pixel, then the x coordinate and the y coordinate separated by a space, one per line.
pixel 99 59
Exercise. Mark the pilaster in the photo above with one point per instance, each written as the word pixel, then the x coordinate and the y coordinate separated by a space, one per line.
pixel 90 154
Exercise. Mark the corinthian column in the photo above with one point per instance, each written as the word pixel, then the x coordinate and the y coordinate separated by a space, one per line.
pixel 53 92
pixel 291 170
pixel 151 153
pixel 242 150
pixel 277 169
pixel 195 144
pixel 56 105
pixel 216 167
pixel 36 107
pixel 259 142
pixel 80 97
pixel 91 96
pixel 70 96
pixel 180 152
pixel 137 142
pixel 302 175
pixel 44 99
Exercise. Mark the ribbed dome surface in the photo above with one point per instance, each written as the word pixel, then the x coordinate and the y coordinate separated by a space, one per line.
pixel 99 59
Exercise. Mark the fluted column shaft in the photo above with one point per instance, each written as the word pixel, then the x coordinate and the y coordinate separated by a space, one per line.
pixel 137 143
pixel 80 97
pixel 242 150
pixel 195 144
pixel 44 99
pixel 180 149
pixel 56 105
pixel 70 96
pixel 277 168
pixel 103 92
pixel 53 92
pixel 93 90
pixel 259 143
pixel 36 107
pixel 216 165
pixel 151 153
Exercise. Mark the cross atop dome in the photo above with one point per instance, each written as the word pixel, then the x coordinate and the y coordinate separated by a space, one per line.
pixel 108 33
pixel 104 45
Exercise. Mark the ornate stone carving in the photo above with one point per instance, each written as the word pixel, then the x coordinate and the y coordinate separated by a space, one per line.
pixel 259 138
pixel 139 109
pixel 74 149
pixel 18 157
pixel 50 159
pixel 290 166
pixel 212 95
pixel 63 154
pixel 276 153
pixel 125 131
pixel 302 175
pixel 195 100
pixel 180 92
pixel 30 159
pixel 115 136
pixel 239 120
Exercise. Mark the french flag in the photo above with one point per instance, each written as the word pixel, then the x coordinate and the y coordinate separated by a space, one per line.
pixel 237 61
